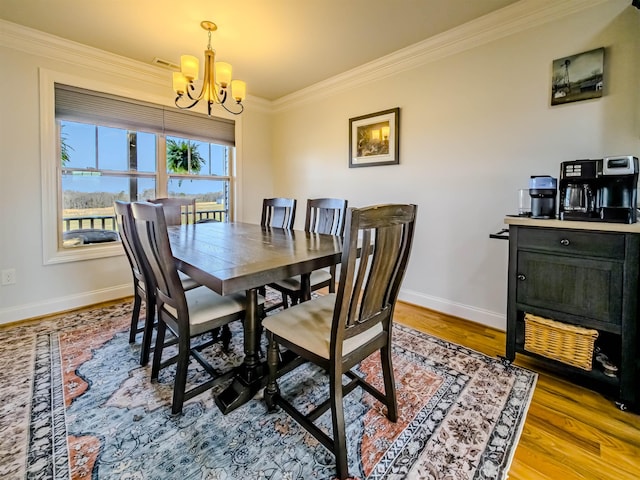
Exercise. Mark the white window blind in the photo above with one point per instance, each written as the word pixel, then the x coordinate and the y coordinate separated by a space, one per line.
pixel 81 105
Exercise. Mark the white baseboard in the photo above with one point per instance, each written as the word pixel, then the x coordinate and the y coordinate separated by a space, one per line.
pixel 474 314
pixel 61 304
pixel 55 305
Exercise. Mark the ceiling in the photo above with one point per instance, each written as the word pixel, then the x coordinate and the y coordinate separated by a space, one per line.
pixel 276 46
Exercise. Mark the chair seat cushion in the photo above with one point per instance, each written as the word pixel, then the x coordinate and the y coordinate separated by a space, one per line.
pixel 308 325
pixel 207 309
pixel 294 283
pixel 187 282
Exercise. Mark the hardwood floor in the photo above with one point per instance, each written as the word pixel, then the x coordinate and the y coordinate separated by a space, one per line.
pixel 570 432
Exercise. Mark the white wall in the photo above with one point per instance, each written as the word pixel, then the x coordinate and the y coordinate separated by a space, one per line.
pixel 254 166
pixel 474 127
pixel 42 289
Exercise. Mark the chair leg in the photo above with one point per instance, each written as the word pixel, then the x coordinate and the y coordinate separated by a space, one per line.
pixel 389 384
pixel 337 416
pixel 157 352
pixel 147 333
pixel 180 381
pixel 225 336
pixel 285 300
pixel 332 282
pixel 272 388
pixel 214 333
pixel 135 317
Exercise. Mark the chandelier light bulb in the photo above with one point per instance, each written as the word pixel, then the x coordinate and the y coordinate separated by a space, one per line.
pixel 180 83
pixel 189 65
pixel 238 90
pixel 223 73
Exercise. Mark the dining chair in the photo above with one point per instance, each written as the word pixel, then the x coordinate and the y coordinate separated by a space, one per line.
pixel 186 314
pixel 278 212
pixel 141 280
pixel 177 208
pixel 339 330
pixel 324 215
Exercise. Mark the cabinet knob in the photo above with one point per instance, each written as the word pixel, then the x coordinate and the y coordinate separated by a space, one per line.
pixel 521 277
pixel 564 242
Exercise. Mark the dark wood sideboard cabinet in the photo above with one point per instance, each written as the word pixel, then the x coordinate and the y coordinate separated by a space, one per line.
pixel 587 277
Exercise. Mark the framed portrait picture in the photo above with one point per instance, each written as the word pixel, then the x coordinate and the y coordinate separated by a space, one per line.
pixel 373 139
pixel 578 77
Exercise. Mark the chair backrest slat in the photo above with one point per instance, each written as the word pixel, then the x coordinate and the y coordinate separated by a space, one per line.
pixel 360 270
pixel 326 215
pixel 388 247
pixel 177 209
pixel 376 251
pixel 278 212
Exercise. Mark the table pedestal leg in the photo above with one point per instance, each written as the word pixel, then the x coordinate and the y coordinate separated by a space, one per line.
pixel 250 377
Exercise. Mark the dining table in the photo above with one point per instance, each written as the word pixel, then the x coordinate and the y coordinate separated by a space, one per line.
pixel 231 257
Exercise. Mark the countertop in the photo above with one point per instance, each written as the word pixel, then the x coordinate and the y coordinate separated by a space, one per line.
pixel 575 225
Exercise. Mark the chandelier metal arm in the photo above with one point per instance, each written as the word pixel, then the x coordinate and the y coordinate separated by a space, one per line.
pixel 185 107
pixel 231 111
pixel 192 88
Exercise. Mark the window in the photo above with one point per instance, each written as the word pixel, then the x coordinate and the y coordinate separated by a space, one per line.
pixel 98 166
pixel 112 148
pixel 200 170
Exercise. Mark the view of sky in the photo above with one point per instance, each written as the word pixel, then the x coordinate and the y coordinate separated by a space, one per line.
pixel 105 148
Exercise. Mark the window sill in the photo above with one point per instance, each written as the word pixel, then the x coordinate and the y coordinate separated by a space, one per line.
pixel 86 252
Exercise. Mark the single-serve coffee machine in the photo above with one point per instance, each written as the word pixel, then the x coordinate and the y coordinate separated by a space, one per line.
pixel 599 190
pixel 542 190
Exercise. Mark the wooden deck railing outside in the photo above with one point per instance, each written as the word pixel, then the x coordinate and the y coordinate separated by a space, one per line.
pixel 108 222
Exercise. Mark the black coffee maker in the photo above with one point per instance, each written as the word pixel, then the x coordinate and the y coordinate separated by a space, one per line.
pixel 599 190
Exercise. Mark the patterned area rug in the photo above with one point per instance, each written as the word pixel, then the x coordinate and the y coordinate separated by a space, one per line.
pixel 76 404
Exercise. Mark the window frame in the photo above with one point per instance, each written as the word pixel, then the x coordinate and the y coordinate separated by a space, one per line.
pixel 52 251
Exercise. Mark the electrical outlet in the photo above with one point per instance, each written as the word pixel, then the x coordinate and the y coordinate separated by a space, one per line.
pixel 9 276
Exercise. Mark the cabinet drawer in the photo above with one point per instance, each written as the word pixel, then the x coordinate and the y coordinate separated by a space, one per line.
pixel 572 242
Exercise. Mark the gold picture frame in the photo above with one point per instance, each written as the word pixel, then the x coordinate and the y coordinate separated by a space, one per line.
pixel 374 139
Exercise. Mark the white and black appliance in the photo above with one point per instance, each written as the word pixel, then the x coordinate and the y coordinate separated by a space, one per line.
pixel 602 190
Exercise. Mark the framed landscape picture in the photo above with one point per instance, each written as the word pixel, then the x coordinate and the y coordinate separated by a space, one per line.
pixel 578 77
pixel 373 139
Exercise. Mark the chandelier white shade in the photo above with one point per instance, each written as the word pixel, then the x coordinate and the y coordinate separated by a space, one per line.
pixel 217 84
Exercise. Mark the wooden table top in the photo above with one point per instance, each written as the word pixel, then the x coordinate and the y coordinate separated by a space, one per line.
pixel 233 257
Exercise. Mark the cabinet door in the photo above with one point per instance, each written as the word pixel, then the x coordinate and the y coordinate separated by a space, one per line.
pixel 581 286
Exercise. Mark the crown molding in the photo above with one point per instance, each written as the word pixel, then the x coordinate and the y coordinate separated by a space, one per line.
pixel 507 21
pixel 58 49
pixel 515 18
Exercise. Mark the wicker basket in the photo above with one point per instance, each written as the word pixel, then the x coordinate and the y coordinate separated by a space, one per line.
pixel 565 343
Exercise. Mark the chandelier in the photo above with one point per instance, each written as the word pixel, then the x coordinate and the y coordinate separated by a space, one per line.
pixel 216 82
